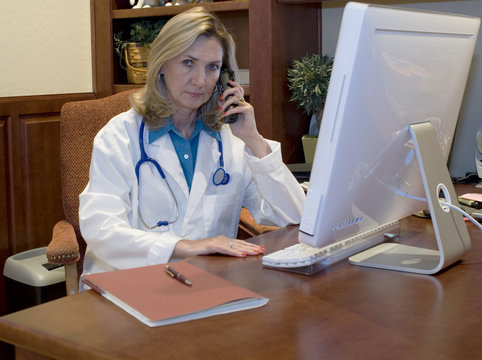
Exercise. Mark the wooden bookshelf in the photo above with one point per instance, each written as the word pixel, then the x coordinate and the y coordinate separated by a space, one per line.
pixel 269 35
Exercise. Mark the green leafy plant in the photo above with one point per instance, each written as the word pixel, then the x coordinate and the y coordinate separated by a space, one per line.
pixel 308 81
pixel 143 32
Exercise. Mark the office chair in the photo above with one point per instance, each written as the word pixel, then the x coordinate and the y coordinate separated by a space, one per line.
pixel 80 121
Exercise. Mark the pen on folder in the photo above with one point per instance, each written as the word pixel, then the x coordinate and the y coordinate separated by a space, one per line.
pixel 177 275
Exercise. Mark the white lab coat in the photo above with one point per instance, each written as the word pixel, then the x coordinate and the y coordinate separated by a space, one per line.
pixel 108 213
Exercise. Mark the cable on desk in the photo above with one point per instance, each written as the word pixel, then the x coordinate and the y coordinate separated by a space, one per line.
pixel 454 207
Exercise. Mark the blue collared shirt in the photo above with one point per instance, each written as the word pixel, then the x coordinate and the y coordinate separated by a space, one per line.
pixel 186 150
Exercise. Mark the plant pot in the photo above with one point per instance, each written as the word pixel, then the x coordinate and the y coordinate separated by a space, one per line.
pixel 136 61
pixel 309 147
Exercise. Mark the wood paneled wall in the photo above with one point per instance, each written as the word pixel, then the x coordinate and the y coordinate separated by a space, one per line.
pixel 30 185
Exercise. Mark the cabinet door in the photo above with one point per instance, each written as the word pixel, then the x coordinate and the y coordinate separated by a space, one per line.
pixel 4 203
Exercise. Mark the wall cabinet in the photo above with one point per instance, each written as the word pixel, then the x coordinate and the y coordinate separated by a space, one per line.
pixel 268 35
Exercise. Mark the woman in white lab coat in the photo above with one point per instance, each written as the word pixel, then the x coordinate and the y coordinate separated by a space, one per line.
pixel 186 198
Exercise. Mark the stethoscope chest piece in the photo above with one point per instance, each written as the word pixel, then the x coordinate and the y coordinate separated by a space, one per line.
pixel 220 177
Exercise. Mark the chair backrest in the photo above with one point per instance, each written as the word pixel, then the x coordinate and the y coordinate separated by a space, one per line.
pixel 80 121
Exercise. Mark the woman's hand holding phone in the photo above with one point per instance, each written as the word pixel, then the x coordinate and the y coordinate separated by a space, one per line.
pixel 241 114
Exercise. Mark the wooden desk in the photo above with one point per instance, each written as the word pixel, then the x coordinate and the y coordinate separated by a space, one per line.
pixel 340 313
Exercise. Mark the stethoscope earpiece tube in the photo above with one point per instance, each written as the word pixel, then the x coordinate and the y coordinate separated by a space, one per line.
pixel 146 159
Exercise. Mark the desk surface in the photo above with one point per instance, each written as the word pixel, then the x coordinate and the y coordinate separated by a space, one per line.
pixel 342 312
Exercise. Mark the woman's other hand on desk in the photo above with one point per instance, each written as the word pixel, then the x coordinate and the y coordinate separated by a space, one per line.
pixel 219 244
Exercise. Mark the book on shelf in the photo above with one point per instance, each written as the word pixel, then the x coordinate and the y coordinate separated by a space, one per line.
pixel 155 298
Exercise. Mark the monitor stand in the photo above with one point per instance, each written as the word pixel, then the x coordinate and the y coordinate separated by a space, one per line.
pixel 449 226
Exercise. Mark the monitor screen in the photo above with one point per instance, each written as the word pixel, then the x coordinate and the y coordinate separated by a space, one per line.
pixel 393 67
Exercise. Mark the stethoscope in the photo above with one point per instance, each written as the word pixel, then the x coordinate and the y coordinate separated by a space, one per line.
pixel 220 177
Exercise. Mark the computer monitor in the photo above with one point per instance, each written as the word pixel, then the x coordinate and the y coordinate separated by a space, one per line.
pixel 393 68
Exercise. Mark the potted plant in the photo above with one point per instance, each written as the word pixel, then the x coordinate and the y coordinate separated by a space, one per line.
pixel 308 81
pixel 134 49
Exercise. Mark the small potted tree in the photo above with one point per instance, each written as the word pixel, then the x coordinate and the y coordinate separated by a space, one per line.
pixel 308 81
pixel 134 49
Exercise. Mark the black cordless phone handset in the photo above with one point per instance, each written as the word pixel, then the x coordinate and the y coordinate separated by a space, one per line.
pixel 226 75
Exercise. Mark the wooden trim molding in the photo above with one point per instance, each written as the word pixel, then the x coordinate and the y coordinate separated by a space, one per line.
pixel 38 103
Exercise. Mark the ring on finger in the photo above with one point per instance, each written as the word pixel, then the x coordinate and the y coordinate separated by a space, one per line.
pixel 241 99
pixel 230 244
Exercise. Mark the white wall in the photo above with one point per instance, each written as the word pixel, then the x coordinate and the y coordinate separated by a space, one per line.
pixel 462 156
pixel 45 47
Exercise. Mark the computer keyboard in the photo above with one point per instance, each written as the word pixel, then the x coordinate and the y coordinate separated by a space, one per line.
pixel 295 256
pixel 301 255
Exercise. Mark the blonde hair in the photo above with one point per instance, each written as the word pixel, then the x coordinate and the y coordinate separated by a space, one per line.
pixel 177 35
